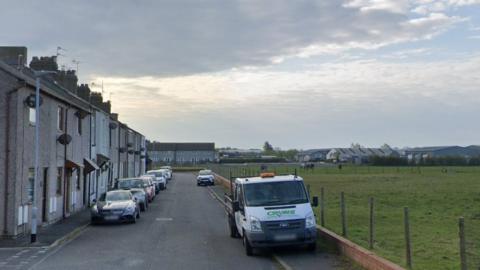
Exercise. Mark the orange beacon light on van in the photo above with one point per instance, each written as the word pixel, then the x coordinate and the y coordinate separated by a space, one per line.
pixel 267 175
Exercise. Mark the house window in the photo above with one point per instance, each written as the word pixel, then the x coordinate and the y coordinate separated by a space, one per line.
pixel 61 118
pixel 59 180
pixel 79 125
pixel 32 116
pixel 31 183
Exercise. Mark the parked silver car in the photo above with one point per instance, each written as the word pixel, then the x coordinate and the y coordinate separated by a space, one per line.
pixel 159 178
pixel 115 206
pixel 170 172
pixel 142 198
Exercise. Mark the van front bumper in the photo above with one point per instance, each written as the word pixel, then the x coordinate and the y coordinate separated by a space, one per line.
pixel 282 237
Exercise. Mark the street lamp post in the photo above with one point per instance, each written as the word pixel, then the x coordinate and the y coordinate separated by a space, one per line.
pixel 38 75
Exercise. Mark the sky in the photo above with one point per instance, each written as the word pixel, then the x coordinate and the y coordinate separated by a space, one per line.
pixel 299 74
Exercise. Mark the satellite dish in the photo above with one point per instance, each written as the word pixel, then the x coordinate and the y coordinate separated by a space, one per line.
pixel 31 99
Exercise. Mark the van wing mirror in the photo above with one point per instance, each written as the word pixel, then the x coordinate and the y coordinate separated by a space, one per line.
pixel 235 206
pixel 315 201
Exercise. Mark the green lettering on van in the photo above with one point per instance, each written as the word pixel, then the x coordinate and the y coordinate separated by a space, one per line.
pixel 280 213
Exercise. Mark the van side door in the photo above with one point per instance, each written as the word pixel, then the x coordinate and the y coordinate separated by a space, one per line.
pixel 240 214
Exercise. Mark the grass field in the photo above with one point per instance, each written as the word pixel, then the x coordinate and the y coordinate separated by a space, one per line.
pixel 436 199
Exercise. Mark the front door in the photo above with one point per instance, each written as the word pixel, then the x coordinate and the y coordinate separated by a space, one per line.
pixel 44 195
pixel 68 192
pixel 85 188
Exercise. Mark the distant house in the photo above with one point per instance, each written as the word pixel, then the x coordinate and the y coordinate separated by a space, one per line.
pixel 441 151
pixel 181 153
pixel 313 155
pixel 359 155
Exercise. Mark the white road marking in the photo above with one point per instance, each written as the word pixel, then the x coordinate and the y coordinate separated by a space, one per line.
pixel 164 219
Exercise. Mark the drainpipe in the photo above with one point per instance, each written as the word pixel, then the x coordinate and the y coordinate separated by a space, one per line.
pixel 65 200
pixel 90 156
pixel 119 155
pixel 7 160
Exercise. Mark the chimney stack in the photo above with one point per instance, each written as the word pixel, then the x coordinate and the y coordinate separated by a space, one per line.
pixel 68 80
pixel 14 56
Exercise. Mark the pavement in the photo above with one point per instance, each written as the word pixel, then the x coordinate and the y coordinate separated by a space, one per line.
pixel 52 234
pixel 185 227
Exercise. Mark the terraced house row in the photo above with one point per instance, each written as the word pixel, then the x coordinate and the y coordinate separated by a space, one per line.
pixel 84 148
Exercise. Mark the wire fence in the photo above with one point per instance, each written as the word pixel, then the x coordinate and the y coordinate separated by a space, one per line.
pixel 425 235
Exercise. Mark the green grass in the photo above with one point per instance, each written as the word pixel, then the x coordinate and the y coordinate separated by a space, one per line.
pixel 435 199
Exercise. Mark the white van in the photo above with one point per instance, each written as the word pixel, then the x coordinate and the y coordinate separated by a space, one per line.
pixel 269 211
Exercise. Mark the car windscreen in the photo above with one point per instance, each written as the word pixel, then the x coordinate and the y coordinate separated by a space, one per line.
pixel 205 173
pixel 117 196
pixel 131 183
pixel 275 193
pixel 157 173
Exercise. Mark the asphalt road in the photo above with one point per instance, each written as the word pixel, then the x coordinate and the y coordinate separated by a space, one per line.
pixel 184 228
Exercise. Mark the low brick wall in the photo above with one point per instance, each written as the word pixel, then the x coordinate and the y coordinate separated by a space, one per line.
pixel 220 180
pixel 356 253
pixel 347 248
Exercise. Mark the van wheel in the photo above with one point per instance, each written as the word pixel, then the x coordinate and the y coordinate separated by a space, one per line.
pixel 233 230
pixel 246 244
pixel 312 247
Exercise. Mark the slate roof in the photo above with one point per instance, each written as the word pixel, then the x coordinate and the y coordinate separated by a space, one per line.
pixel 47 86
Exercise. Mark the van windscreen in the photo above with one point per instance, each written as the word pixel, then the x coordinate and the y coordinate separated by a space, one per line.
pixel 275 193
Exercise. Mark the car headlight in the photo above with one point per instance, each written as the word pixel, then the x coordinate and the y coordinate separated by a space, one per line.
pixel 130 208
pixel 94 208
pixel 310 221
pixel 255 225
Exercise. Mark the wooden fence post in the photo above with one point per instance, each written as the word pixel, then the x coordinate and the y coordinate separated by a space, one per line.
pixel 463 249
pixel 344 214
pixel 408 244
pixel 371 237
pixel 322 207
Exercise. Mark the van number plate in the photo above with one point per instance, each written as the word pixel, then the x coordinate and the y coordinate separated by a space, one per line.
pixel 285 237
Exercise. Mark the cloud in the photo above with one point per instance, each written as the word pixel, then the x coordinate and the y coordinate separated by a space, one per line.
pixel 425 7
pixel 176 38
pixel 394 6
pixel 367 100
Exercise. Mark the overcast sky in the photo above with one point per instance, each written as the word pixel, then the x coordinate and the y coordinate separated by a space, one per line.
pixel 300 74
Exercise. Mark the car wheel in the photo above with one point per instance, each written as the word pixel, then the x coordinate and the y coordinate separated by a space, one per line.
pixel 142 207
pixel 93 221
pixel 246 244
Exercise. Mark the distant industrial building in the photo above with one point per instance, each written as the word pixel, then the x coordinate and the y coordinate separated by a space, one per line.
pixel 181 153
pixel 240 153
pixel 418 153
